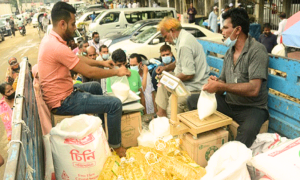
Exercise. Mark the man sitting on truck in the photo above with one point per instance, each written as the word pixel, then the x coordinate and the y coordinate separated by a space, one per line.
pixel 243 77
pixel 55 60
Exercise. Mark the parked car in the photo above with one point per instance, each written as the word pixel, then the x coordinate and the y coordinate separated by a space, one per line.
pixel 116 20
pixel 2 26
pixel 90 8
pixel 85 18
pixel 35 19
pixel 130 31
pixel 8 16
pixel 2 31
pixel 149 41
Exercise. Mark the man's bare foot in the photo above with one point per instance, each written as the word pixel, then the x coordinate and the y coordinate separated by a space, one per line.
pixel 121 151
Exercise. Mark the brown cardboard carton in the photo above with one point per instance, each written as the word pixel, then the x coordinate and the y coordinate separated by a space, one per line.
pixel 202 148
pixel 233 129
pixel 131 124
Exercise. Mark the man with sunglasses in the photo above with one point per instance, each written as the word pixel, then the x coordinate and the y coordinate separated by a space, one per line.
pixel 243 77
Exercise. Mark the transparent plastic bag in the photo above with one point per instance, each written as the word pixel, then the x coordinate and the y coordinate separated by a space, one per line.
pixel 207 104
pixel 120 87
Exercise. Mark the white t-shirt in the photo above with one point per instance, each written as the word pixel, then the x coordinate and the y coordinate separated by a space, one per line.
pixel 148 95
pixel 129 5
pixel 280 30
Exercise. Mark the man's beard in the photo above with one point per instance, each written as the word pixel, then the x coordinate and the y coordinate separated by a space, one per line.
pixel 68 35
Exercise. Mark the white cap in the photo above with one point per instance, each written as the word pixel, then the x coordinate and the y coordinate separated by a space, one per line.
pixel 230 5
pixel 215 7
pixel 239 4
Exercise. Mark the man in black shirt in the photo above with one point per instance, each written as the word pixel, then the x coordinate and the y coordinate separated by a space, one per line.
pixel 191 12
pixel 12 25
pixel 268 39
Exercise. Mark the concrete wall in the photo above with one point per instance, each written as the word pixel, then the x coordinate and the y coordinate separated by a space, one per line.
pixel 5 9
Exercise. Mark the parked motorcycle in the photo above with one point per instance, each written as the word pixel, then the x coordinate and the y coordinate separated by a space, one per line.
pixel 22 30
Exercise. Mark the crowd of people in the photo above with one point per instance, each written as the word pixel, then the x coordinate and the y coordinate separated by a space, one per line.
pixel 128 4
pixel 75 78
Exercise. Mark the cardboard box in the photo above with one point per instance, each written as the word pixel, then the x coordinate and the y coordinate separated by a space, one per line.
pixel 58 118
pixel 131 124
pixel 233 129
pixel 202 148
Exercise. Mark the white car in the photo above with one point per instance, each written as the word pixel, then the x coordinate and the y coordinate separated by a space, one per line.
pixel 149 41
pixel 85 18
pixel 35 19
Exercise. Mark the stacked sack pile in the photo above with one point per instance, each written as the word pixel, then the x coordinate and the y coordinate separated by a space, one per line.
pixel 163 162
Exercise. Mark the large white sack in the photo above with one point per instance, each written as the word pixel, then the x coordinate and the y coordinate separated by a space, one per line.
pixel 229 163
pixel 49 167
pixel 279 50
pixel 207 104
pixel 281 163
pixel 79 147
pixel 263 143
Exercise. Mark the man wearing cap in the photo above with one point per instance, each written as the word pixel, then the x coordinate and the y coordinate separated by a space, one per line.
pixel 212 20
pixel 230 5
pixel 13 70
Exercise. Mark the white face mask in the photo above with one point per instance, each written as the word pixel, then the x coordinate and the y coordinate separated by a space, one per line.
pixel 134 68
pixel 228 42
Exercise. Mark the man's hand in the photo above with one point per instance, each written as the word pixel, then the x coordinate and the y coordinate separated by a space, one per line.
pixel 212 86
pixel 123 71
pixel 109 63
pixel 213 78
pixel 145 69
pixel 160 69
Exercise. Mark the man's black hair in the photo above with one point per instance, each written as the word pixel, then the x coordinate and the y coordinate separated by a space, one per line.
pixel 137 56
pixel 226 6
pixel 282 15
pixel 62 11
pixel 239 17
pixel 267 25
pixel 94 33
pixel 119 56
pixel 103 46
pixel 3 86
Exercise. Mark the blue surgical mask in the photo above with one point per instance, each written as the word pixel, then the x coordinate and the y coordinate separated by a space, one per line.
pixel 228 42
pixel 166 59
pixel 134 68
pixel 105 56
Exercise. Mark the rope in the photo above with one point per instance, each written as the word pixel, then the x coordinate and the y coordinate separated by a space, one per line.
pixel 26 128
pixel 29 169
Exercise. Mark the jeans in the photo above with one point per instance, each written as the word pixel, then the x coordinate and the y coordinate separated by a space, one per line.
pixel 250 119
pixel 87 98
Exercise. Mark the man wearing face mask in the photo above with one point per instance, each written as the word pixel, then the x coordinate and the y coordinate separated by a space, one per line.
pixel 243 77
pixel 82 48
pixel 135 83
pixel 13 70
pixel 190 66
pixel 147 96
pixel 103 53
pixel 95 41
pixel 167 58
pixel 55 60
pixel 268 39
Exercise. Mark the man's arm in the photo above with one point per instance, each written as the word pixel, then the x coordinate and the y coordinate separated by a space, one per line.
pixel 108 63
pixel 145 74
pixel 183 77
pixel 98 73
pixel 169 67
pixel 250 89
pixel 143 101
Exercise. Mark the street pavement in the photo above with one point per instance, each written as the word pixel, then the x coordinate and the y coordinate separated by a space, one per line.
pixel 18 46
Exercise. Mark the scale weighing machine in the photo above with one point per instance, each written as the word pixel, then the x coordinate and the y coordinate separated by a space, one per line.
pixel 189 121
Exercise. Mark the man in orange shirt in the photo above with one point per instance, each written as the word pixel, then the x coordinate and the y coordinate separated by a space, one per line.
pixel 55 60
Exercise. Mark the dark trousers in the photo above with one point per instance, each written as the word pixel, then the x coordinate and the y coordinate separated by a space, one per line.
pixel 249 118
pixel 13 31
pixel 191 20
